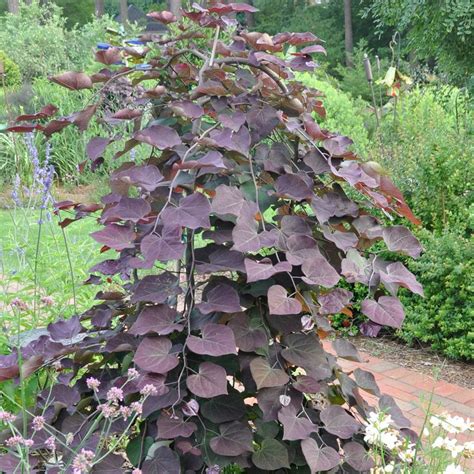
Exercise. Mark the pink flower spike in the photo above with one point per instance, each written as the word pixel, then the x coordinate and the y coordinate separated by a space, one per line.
pixel 38 423
pixel 93 384
pixel 51 443
pixel 108 411
pixel 137 407
pixel 47 300
pixel 132 373
pixel 125 412
pixel 18 440
pixel 115 395
pixel 6 416
pixel 82 463
pixel 149 390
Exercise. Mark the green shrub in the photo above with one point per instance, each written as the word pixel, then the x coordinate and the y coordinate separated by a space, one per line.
pixel 424 144
pixel 11 71
pixel 443 319
pixel 353 80
pixel 77 12
pixel 343 113
pixel 36 39
pixel 42 45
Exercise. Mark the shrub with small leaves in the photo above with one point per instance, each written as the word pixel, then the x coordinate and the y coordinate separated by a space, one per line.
pixel 10 70
pixel 226 247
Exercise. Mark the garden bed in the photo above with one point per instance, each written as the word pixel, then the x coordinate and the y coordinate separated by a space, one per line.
pixel 420 359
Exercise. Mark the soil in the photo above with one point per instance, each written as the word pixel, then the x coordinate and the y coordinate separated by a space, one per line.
pixel 419 359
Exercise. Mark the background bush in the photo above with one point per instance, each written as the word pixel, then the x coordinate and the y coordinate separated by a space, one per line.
pixel 12 74
pixel 343 113
pixel 429 154
pixel 42 45
pixel 444 318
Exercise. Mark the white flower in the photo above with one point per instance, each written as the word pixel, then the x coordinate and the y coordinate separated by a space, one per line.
pixel 426 432
pixel 435 421
pixel 448 444
pixel 390 439
pixel 407 455
pixel 380 420
pixel 371 435
pixel 453 469
pixel 455 424
pixel 285 400
pixel 468 449
pixel 438 442
pixel 390 467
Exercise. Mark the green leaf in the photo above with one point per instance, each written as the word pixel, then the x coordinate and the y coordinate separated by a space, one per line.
pixel 271 456
pixel 135 451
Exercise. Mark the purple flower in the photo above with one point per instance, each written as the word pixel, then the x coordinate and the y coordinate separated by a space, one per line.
pixel 43 173
pixel 16 191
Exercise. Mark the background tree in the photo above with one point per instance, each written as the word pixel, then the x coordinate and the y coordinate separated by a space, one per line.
pixel 124 11
pixel 76 12
pixel 13 6
pixel 99 7
pixel 348 37
pixel 175 7
pixel 439 30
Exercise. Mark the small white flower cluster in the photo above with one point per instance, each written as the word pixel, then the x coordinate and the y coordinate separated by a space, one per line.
pixel 453 469
pixel 449 444
pixel 452 424
pixel 379 431
pixel 388 468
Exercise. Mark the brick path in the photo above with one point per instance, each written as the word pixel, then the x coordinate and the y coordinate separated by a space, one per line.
pixel 412 390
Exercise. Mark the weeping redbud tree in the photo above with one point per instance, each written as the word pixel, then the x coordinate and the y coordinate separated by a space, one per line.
pixel 228 247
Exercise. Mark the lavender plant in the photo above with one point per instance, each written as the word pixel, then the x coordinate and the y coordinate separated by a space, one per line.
pixel 226 247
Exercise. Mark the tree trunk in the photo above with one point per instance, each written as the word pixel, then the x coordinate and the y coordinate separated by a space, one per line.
pixel 99 8
pixel 175 7
pixel 249 17
pixel 124 11
pixel 348 38
pixel 14 6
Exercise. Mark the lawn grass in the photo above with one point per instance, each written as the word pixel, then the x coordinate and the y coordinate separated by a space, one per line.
pixel 27 261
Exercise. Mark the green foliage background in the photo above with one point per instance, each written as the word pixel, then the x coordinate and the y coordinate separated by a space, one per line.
pixel 11 71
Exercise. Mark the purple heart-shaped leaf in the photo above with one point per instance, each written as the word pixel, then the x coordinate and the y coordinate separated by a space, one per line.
pixel 153 354
pixel 319 459
pixel 280 303
pixel 235 439
pixel 192 212
pixel 210 381
pixel 158 319
pixel 222 298
pixel 216 340
pixel 159 136
pixel 386 311
pixel 337 421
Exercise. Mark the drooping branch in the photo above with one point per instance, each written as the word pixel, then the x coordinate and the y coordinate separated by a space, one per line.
pixel 261 67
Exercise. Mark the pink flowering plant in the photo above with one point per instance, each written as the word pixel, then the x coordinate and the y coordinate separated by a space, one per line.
pixel 229 247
